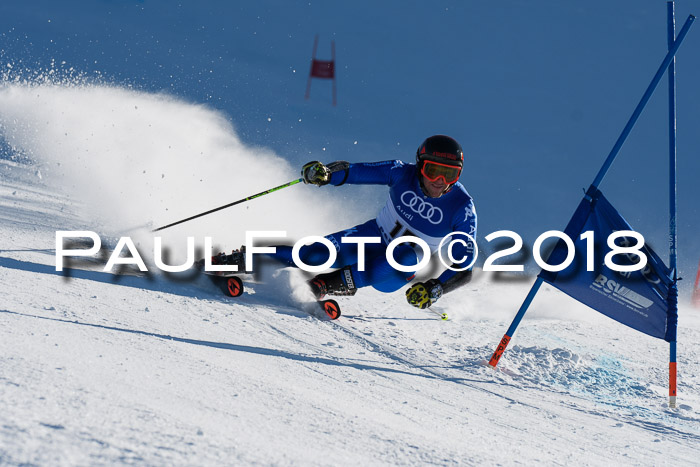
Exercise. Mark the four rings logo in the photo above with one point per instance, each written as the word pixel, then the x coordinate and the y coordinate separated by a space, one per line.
pixel 422 208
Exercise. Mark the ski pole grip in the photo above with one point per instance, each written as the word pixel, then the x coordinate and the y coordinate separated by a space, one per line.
pixel 499 350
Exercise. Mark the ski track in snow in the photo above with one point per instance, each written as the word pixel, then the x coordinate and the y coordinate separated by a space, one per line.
pixel 101 369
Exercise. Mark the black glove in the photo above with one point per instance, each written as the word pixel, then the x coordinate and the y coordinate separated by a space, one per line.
pixel 315 173
pixel 424 294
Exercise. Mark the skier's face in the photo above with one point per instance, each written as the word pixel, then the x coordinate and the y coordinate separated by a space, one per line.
pixel 436 188
pixel 436 177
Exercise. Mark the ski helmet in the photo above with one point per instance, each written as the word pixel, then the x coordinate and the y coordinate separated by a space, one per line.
pixel 444 151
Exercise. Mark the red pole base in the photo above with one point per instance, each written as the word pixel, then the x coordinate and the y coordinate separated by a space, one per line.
pixel 499 350
pixel 672 384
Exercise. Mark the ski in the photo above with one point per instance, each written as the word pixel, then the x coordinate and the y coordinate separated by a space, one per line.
pixel 330 307
pixel 232 286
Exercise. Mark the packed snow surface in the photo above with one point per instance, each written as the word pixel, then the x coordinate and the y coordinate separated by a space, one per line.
pixel 100 368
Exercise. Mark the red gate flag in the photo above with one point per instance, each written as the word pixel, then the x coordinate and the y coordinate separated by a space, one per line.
pixel 323 69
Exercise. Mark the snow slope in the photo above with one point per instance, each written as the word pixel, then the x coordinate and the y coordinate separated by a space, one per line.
pixel 105 369
pixel 536 92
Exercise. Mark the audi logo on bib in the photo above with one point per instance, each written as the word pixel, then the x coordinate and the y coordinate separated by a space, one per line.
pixel 423 208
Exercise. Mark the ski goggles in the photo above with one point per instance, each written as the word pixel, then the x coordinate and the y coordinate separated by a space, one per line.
pixel 434 170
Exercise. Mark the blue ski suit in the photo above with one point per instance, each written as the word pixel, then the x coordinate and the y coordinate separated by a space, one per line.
pixel 407 212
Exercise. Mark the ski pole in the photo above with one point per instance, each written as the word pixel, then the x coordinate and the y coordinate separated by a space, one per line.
pixel 441 315
pixel 293 182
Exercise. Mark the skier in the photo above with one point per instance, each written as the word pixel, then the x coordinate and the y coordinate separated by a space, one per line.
pixel 426 200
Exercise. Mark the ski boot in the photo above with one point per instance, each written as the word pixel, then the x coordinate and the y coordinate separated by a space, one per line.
pixel 236 258
pixel 338 282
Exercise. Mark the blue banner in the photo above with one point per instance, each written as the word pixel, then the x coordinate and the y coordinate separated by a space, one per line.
pixel 638 299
